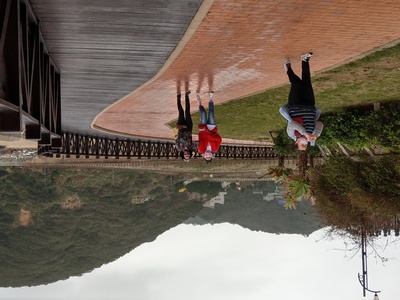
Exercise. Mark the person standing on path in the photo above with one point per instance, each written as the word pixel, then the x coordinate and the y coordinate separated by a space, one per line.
pixel 209 139
pixel 300 111
pixel 183 130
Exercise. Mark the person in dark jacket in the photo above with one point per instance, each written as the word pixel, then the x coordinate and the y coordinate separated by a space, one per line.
pixel 209 139
pixel 183 130
pixel 300 111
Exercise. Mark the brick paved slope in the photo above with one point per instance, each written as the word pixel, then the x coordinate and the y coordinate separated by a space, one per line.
pixel 239 47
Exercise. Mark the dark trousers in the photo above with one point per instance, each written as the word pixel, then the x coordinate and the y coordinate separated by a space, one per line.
pixel 184 117
pixel 301 91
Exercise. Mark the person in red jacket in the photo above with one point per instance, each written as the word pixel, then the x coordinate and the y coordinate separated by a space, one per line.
pixel 209 139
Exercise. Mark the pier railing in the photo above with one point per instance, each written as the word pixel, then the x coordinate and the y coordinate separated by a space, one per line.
pixel 76 145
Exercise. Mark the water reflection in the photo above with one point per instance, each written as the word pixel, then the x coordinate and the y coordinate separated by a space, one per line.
pixel 120 229
pixel 57 223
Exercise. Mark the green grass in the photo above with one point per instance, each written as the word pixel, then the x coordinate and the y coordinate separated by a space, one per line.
pixel 374 78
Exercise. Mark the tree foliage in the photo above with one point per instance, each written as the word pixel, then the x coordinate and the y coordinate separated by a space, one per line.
pixel 351 194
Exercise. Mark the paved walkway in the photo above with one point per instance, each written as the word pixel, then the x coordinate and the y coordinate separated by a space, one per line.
pixel 237 48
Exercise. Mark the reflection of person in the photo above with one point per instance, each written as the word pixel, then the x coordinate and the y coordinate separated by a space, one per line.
pixel 209 139
pixel 300 111
pixel 184 126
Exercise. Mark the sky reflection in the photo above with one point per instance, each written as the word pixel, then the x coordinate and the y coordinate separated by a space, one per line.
pixel 226 261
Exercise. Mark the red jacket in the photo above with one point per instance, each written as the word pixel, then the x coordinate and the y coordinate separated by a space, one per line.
pixel 208 136
pixel 300 121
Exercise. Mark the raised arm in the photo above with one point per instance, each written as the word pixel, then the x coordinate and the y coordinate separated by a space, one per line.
pixel 294 126
pixel 318 128
pixel 285 113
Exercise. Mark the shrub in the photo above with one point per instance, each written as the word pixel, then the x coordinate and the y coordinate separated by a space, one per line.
pixel 350 193
pixel 359 127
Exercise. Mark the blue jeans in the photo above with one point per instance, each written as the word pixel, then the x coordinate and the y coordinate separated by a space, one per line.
pixel 203 114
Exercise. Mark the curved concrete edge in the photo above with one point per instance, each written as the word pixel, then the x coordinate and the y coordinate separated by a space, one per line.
pixel 194 24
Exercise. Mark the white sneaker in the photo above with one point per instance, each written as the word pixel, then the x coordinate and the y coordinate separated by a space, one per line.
pixel 198 99
pixel 287 65
pixel 211 95
pixel 306 57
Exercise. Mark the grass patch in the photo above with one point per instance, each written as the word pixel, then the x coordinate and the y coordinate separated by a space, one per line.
pixel 373 78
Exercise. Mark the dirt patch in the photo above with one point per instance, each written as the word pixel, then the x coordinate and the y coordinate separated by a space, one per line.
pixel 25 218
pixel 72 202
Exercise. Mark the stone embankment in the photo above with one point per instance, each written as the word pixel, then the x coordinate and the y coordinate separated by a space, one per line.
pixel 16 157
